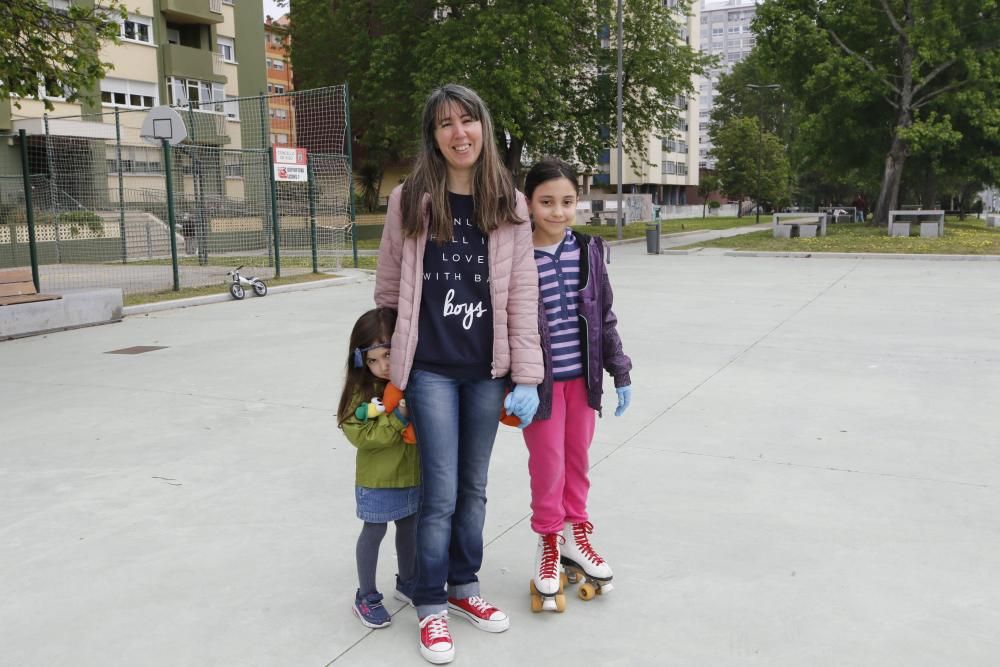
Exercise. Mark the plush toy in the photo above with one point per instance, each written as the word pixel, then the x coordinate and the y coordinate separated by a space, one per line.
pixel 392 397
pixel 369 410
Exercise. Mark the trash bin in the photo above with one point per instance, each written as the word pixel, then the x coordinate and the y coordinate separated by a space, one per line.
pixel 653 238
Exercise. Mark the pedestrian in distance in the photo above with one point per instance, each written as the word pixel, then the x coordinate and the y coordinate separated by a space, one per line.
pixel 580 341
pixel 456 260
pixel 387 470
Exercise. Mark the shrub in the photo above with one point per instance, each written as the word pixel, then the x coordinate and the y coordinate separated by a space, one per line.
pixel 714 203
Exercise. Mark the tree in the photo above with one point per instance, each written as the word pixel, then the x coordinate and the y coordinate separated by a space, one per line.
pixel 867 69
pixel 59 48
pixel 707 184
pixel 375 41
pixel 739 147
pixel 546 70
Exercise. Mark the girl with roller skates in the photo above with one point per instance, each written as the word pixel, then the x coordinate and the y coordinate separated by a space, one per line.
pixel 387 474
pixel 579 340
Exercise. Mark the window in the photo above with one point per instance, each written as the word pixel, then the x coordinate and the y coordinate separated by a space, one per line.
pixel 732 57
pixel 279 89
pixel 53 89
pixel 281 114
pixel 282 138
pixel 272 138
pixel 198 94
pixel 227 48
pixel 734 30
pixel 173 36
pixel 270 88
pixel 718 30
pixel 135 160
pixel 227 2
pixel 682 169
pixel 279 65
pixel 232 109
pixel 733 44
pixel 669 167
pixel 137 29
pixel 129 94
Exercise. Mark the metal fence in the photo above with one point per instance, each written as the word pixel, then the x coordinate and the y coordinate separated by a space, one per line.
pixel 109 209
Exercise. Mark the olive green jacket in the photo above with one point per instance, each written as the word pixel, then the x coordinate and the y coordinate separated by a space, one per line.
pixel 384 460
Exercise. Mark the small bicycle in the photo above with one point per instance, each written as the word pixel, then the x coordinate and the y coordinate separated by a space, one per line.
pixel 239 282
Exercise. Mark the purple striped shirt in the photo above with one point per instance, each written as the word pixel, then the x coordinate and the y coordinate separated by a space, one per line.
pixel 559 292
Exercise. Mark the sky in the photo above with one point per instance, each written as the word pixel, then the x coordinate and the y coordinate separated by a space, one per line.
pixel 271 7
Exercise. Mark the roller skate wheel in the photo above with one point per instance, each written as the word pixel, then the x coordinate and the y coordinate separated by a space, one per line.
pixel 560 603
pixel 605 588
pixel 572 577
pixel 587 592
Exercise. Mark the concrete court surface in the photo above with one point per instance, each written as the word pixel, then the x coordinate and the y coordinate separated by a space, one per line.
pixel 807 476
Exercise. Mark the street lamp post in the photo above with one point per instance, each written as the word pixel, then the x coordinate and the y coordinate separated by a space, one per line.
pixel 760 134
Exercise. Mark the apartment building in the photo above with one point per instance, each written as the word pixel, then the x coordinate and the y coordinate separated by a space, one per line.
pixel 195 55
pixel 669 169
pixel 279 79
pixel 725 32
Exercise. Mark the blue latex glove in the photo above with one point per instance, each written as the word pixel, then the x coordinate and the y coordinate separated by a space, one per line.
pixel 522 402
pixel 624 399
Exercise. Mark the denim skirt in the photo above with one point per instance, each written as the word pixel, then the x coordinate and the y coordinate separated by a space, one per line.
pixel 384 505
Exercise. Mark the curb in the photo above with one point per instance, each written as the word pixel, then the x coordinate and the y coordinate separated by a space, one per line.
pixel 351 276
pixel 864 255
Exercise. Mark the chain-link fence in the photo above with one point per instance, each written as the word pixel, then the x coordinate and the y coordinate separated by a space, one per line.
pixel 110 209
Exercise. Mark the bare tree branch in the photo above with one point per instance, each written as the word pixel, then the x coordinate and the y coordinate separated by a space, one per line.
pixel 892 20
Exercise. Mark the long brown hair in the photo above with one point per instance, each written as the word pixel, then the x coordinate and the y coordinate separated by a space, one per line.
pixel 372 328
pixel 493 193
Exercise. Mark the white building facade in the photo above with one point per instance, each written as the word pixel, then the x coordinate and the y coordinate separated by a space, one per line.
pixel 725 32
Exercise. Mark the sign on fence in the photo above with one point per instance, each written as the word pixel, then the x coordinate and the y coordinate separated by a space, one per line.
pixel 290 164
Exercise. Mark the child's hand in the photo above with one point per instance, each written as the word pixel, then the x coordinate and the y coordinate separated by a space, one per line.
pixel 522 403
pixel 624 399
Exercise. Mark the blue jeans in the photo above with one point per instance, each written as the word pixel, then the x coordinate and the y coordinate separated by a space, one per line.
pixel 456 422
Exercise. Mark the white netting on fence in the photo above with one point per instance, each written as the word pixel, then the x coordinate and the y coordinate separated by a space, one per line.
pixel 101 199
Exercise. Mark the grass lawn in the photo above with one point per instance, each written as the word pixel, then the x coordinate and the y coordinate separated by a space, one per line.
pixel 221 288
pixel 635 230
pixel 969 237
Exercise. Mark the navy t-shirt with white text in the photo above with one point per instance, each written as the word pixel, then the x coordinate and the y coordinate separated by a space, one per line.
pixel 455 335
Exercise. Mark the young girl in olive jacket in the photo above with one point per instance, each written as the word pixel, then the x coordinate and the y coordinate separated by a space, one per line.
pixel 387 474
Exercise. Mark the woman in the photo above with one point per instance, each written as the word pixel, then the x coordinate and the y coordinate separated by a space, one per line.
pixel 456 260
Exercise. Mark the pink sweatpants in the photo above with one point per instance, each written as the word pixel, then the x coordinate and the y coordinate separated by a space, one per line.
pixel 558 459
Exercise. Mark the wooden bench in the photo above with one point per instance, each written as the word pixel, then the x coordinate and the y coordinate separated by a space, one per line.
pixel 804 225
pixel 16 286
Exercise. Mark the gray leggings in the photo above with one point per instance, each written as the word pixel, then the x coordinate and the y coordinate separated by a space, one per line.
pixel 367 552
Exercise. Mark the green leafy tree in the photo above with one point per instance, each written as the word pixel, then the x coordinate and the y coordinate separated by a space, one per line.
pixel 878 73
pixel 707 184
pixel 60 48
pixel 369 44
pixel 546 70
pixel 750 163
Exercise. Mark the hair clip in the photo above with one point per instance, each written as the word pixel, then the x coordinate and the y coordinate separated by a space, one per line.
pixel 359 353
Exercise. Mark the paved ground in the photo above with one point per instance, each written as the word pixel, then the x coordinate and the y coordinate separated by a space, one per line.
pixel 807 476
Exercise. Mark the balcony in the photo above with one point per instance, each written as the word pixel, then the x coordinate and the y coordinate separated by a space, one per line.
pixel 192 11
pixel 191 63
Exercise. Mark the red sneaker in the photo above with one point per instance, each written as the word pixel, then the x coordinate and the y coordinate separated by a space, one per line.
pixel 435 639
pixel 480 613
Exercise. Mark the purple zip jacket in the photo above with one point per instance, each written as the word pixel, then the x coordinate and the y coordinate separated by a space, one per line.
pixel 601 345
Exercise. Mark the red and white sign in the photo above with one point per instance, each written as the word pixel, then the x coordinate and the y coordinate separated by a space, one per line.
pixel 290 164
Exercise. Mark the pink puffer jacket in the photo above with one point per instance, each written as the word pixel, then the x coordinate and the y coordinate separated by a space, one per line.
pixel 513 288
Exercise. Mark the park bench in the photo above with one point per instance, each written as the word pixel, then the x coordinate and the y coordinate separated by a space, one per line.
pixel 16 286
pixel 928 228
pixel 804 225
pixel 840 213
